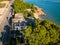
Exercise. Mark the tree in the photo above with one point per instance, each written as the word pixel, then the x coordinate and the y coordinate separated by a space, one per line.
pixel 42 33
pixel 21 6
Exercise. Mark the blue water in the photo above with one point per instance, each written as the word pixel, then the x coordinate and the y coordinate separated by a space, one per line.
pixel 50 7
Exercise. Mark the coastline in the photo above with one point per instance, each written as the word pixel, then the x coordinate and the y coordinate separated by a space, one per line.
pixel 39 11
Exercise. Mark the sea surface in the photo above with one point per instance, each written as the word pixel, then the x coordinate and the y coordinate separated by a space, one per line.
pixel 50 7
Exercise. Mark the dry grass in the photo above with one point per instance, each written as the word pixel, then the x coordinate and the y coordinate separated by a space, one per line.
pixel 2 5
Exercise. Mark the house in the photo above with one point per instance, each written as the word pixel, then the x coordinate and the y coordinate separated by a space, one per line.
pixel 19 23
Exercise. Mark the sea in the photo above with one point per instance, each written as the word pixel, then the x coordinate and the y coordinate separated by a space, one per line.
pixel 50 7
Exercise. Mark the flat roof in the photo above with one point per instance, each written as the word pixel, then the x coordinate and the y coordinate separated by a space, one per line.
pixel 19 17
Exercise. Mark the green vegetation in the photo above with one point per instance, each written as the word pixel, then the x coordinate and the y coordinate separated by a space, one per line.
pixel 28 14
pixel 21 7
pixel 42 33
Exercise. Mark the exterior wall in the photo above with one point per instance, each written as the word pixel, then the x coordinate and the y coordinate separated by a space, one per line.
pixel 0 43
pixel 20 27
pixel 4 19
pixel 4 22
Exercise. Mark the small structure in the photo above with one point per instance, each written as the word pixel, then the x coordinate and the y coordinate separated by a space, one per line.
pixel 19 23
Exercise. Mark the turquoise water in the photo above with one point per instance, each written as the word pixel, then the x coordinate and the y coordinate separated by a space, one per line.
pixel 50 7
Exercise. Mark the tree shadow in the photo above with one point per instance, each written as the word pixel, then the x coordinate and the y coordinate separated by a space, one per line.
pixel 30 20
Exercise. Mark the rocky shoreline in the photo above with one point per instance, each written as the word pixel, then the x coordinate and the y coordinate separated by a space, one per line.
pixel 39 11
